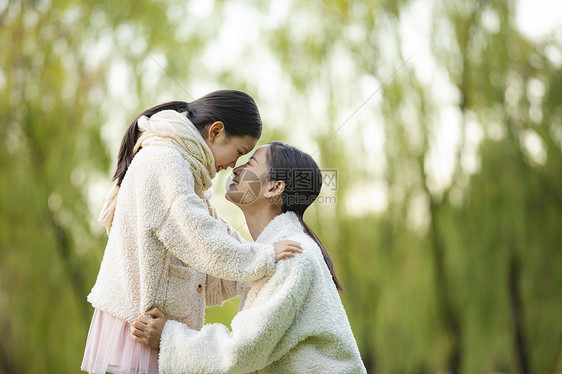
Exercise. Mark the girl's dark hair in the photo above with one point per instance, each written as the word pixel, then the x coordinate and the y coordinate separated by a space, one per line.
pixel 284 162
pixel 236 109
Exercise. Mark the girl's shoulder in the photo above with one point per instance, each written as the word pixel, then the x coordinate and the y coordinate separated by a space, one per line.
pixel 161 168
pixel 160 160
pixel 159 154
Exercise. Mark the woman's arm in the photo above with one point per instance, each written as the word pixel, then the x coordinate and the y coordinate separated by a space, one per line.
pixel 256 338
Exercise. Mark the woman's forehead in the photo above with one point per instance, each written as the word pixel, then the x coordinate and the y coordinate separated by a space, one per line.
pixel 261 152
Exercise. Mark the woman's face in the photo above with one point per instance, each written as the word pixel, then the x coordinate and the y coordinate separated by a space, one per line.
pixel 249 180
pixel 227 149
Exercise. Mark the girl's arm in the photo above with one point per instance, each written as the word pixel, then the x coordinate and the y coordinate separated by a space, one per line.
pixel 185 226
pixel 202 242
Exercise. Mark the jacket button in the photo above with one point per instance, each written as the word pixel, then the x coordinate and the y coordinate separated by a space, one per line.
pixel 200 288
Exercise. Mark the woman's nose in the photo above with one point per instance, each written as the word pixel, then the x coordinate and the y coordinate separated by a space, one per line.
pixel 236 170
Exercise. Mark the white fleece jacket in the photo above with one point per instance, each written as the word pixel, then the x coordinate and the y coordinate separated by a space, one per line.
pixel 290 322
pixel 164 241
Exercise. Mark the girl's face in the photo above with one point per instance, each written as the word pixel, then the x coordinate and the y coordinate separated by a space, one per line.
pixel 227 149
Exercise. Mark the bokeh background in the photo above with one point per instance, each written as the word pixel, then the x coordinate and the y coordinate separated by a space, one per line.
pixel 442 119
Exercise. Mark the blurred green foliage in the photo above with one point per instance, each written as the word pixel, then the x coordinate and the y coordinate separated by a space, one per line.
pixel 461 275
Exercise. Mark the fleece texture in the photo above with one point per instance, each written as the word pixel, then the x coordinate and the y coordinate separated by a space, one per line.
pixel 167 250
pixel 171 129
pixel 292 321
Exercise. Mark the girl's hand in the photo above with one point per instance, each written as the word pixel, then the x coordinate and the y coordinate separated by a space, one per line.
pixel 286 249
pixel 147 329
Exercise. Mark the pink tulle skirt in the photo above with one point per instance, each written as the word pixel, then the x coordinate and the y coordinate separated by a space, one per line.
pixel 110 349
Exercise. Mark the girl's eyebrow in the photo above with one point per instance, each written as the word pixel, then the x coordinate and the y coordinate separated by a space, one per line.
pixel 241 146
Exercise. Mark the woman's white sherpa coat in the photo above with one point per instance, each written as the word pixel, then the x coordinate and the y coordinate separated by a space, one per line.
pixel 290 322
pixel 164 241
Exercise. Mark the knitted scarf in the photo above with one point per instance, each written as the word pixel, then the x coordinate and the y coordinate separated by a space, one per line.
pixel 171 129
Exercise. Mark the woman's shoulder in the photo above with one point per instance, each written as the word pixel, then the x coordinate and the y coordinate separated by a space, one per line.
pixel 311 253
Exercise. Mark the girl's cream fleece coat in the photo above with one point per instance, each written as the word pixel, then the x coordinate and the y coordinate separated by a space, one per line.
pixel 164 241
pixel 292 321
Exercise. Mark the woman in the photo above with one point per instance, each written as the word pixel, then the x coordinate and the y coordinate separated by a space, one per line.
pixel 167 247
pixel 290 321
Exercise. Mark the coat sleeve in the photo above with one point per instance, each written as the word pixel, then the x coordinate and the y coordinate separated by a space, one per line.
pixel 203 242
pixel 257 336
pixel 219 290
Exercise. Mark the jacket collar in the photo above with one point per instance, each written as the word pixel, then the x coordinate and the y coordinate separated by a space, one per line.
pixel 280 228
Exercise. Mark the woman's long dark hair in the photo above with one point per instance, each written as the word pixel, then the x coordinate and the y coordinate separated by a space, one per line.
pixel 284 162
pixel 236 109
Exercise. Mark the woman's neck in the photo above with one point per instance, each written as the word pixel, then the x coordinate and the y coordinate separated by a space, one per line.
pixel 258 219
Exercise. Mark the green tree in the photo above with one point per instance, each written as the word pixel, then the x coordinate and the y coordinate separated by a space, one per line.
pixel 454 273
pixel 55 76
pixel 475 313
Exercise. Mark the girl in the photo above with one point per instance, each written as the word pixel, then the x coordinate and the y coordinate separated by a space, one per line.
pixel 164 235
pixel 291 321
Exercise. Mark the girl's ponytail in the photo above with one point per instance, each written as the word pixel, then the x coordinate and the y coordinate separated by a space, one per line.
pixel 325 254
pixel 236 109
pixel 130 138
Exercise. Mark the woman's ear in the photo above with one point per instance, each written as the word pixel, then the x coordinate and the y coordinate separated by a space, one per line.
pixel 274 190
pixel 215 131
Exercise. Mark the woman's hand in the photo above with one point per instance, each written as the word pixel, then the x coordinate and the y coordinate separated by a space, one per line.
pixel 147 329
pixel 286 249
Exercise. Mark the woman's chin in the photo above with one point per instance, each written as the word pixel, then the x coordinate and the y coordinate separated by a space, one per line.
pixel 229 197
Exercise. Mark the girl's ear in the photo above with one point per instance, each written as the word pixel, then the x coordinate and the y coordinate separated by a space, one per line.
pixel 215 131
pixel 274 190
